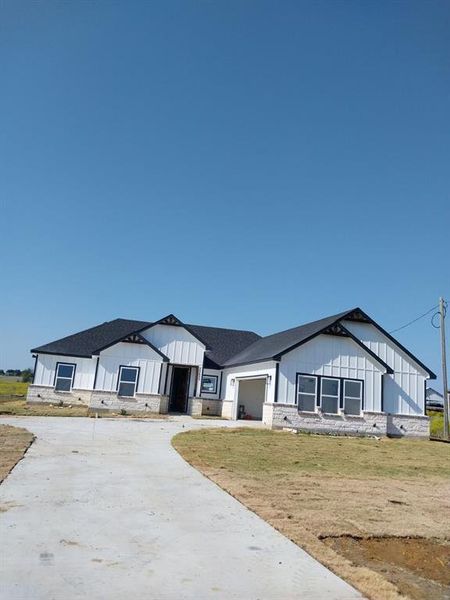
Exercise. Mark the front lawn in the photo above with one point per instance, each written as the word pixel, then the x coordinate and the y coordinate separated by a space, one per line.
pixel 350 502
pixel 436 423
pixel 19 407
pixel 9 386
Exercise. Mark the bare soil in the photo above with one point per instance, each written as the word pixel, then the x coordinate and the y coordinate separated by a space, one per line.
pixel 419 567
pixel 332 495
pixel 14 442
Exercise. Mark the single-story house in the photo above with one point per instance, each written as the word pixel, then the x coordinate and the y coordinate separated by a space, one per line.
pixel 341 374
pixel 433 398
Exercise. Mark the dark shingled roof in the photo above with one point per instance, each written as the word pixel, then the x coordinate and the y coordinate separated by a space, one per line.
pixel 271 346
pixel 224 347
pixel 87 342
pixel 222 343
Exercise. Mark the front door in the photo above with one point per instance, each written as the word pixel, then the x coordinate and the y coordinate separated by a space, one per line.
pixel 179 390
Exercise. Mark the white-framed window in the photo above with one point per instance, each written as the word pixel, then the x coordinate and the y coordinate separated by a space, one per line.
pixel 329 395
pixel 209 384
pixel 306 393
pixel 64 377
pixel 352 396
pixel 127 382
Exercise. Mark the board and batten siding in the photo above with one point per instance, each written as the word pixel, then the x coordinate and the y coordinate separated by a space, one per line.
pixel 180 346
pixel 46 369
pixel 335 356
pixel 404 391
pixel 132 355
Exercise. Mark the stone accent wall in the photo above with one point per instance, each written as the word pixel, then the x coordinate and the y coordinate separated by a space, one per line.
pixel 101 400
pixel 379 424
pixel 40 394
pixel 110 401
pixel 407 426
pixel 211 407
pixel 195 407
pixel 227 409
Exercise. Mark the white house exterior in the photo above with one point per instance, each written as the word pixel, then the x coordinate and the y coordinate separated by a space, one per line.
pixel 342 374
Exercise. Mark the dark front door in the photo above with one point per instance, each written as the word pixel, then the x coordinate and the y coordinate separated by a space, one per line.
pixel 179 390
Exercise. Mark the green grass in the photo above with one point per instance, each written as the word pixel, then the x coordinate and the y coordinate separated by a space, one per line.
pixel 10 387
pixel 270 452
pixel 436 423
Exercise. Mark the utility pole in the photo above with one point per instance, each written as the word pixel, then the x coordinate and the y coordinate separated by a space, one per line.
pixel 444 367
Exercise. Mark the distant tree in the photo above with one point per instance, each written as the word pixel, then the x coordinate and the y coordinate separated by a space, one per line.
pixel 2 372
pixel 27 376
pixel 11 372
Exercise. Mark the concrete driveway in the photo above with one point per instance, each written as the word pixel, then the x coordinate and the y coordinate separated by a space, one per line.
pixel 106 509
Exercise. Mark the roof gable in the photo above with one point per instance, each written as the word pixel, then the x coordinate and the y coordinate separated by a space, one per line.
pixel 173 321
pixel 134 338
pixel 274 346
pixel 221 343
pixel 359 315
pixel 169 320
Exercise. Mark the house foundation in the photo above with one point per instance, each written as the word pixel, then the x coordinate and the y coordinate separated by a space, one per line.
pixel 369 423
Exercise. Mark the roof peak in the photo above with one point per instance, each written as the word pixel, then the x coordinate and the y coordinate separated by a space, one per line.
pixel 336 317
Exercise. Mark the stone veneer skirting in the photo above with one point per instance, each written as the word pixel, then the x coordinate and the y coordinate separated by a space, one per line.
pixel 211 407
pixel 204 406
pixel 42 394
pixel 379 424
pixel 140 403
pixel 110 401
pixel 276 415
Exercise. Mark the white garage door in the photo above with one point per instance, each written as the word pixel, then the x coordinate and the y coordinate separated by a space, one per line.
pixel 252 394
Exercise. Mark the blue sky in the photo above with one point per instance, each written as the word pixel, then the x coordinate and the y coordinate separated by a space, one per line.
pixel 245 164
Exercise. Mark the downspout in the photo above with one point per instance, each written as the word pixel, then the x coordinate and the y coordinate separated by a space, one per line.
pixel 220 386
pixel 96 371
pixel 277 377
pixel 35 356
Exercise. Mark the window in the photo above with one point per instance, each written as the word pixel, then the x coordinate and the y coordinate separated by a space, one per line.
pixel 337 395
pixel 128 378
pixel 306 392
pixel 329 395
pixel 209 384
pixel 64 377
pixel 352 397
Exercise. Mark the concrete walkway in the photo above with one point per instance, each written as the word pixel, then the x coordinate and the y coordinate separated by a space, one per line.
pixel 107 510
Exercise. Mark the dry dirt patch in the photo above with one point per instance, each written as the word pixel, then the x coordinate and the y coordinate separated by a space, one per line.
pixel 313 488
pixel 419 567
pixel 14 442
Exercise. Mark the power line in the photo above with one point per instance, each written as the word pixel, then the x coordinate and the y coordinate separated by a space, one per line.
pixel 415 320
